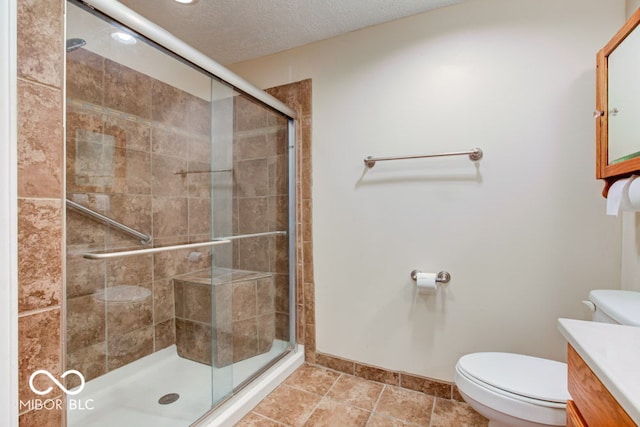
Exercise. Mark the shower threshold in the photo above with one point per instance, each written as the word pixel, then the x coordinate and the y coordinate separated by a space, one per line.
pixel 129 396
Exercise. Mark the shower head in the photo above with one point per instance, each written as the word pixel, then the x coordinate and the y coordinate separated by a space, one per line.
pixel 73 44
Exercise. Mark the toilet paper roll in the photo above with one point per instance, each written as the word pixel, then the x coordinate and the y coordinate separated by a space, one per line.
pixel 618 196
pixel 426 283
pixel 633 194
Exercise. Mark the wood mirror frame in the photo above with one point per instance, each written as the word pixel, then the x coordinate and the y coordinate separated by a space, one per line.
pixel 610 172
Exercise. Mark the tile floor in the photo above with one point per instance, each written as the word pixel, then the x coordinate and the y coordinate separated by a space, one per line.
pixel 314 396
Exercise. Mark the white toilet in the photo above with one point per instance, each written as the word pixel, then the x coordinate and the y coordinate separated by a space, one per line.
pixel 517 390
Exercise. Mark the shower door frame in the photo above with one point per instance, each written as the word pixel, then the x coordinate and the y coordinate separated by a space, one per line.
pixel 143 26
pixel 9 216
pixel 166 40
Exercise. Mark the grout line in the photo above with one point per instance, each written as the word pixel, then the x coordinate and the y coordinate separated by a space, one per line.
pixel 326 394
pixel 41 310
pixel 375 405
pixel 267 418
pixel 433 410
pixel 322 397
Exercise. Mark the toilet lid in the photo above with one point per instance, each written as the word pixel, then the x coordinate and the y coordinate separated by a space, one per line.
pixel 527 376
pixel 621 306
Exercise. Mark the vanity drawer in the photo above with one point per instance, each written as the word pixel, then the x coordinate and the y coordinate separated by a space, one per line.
pixel 593 401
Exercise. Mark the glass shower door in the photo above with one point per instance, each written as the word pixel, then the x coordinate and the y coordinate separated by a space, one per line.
pixel 179 230
pixel 251 277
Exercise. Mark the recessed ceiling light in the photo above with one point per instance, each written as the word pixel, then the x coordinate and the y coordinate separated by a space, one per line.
pixel 186 1
pixel 123 37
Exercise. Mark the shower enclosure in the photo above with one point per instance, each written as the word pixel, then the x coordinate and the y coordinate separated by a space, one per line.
pixel 180 228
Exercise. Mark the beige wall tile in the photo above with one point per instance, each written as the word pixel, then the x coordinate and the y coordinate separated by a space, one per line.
pixel 40 31
pixel 40 147
pixel 197 342
pixel 38 348
pixel 169 105
pixel 266 332
pixel 252 178
pixel 198 113
pixel 91 361
pixel 165 181
pixel 169 142
pixel 163 301
pixel 199 216
pixel 123 349
pixel 85 325
pixel 253 254
pixel 84 276
pixel 245 339
pixel 127 90
pixel 170 216
pixel 165 334
pixel 42 418
pixel 222 345
pixel 39 253
pixel 243 300
pixel 248 114
pixel 125 317
pixel 252 215
pixel 133 135
pixel 170 264
pixel 197 303
pixel 129 270
pixel 85 76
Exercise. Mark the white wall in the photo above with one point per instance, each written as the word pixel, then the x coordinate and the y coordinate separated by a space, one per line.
pixel 631 6
pixel 523 234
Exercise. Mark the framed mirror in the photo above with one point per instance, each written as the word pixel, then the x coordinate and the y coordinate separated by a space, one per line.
pixel 618 105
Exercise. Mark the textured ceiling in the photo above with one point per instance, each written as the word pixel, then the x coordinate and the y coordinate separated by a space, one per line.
pixel 237 30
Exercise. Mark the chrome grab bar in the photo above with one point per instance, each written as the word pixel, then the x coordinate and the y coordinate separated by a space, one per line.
pixel 214 242
pixel 145 239
pixel 474 155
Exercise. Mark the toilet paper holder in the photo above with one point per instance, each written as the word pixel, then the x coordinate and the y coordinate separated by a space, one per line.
pixel 442 277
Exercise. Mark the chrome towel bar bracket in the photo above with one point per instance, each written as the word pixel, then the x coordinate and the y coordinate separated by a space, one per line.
pixel 474 155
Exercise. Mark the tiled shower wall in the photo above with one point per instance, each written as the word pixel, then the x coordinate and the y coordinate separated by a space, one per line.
pixel 250 195
pixel 41 195
pixel 40 198
pixel 260 200
pixel 298 97
pixel 128 137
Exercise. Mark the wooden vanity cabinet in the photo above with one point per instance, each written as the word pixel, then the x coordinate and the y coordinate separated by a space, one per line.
pixel 592 404
pixel 574 419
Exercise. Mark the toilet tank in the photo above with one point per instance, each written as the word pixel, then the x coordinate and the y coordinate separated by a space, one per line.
pixel 615 306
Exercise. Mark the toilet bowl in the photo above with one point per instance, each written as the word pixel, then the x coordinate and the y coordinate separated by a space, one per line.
pixel 517 390
pixel 514 389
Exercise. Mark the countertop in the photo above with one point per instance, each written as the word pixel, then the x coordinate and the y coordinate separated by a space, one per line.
pixel 613 354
